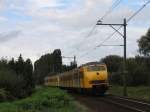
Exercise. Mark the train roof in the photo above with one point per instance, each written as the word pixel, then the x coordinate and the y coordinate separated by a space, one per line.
pixel 92 63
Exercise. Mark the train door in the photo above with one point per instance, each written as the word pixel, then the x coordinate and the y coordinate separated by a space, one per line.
pixel 58 80
pixel 78 73
pixel 81 76
pixel 76 78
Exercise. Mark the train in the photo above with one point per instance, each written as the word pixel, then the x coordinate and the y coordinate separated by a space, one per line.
pixel 91 77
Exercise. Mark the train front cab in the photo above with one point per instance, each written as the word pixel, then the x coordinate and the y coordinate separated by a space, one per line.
pixel 96 78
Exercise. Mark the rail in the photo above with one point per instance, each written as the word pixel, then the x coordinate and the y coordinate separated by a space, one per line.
pixel 128 103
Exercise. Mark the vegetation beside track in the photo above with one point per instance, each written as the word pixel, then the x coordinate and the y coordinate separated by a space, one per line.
pixel 138 92
pixel 44 99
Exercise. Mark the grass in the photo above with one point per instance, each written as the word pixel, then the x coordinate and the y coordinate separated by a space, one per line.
pixel 45 99
pixel 139 92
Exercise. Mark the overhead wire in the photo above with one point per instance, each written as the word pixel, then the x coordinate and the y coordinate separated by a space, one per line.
pixel 114 5
pixel 132 16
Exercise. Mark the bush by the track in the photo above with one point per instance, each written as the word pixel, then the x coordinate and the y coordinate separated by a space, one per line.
pixel 45 99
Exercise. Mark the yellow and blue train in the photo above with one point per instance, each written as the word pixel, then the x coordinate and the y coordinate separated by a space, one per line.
pixel 90 77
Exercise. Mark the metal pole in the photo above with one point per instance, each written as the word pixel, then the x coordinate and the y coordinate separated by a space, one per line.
pixel 124 63
pixel 75 62
pixel 74 59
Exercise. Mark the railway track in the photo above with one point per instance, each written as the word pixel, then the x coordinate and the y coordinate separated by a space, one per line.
pixel 111 103
pixel 127 103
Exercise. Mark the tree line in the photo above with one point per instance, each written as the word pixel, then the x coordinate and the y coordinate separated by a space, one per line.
pixel 137 70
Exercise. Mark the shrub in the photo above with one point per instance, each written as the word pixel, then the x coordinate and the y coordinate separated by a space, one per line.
pixel 3 95
pixel 44 100
pixel 12 83
pixel 137 73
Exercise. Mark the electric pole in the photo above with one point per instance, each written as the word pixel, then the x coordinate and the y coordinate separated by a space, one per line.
pixel 124 60
pixel 74 59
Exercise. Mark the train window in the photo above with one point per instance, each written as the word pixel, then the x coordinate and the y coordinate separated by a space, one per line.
pixel 96 68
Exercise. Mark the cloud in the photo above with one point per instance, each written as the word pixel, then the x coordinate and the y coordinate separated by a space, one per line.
pixel 2 5
pixel 86 11
pixel 2 18
pixel 4 37
pixel 45 3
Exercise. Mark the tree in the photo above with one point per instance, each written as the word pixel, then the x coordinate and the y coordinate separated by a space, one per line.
pixel 12 64
pixel 49 64
pixel 57 60
pixel 10 82
pixel 28 76
pixel 113 62
pixel 42 67
pixel 137 75
pixel 16 77
pixel 19 65
pixel 3 63
pixel 144 44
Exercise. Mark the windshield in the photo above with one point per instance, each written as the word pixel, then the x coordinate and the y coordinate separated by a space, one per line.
pixel 96 68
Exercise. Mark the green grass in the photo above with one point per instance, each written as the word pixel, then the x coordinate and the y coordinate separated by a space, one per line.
pixel 139 92
pixel 45 99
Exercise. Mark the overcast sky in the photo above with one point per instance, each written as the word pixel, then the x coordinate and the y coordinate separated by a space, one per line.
pixel 36 27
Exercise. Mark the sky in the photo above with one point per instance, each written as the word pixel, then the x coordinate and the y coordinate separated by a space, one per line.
pixel 36 27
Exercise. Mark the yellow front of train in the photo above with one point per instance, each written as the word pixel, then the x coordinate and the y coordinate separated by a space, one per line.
pixel 96 77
